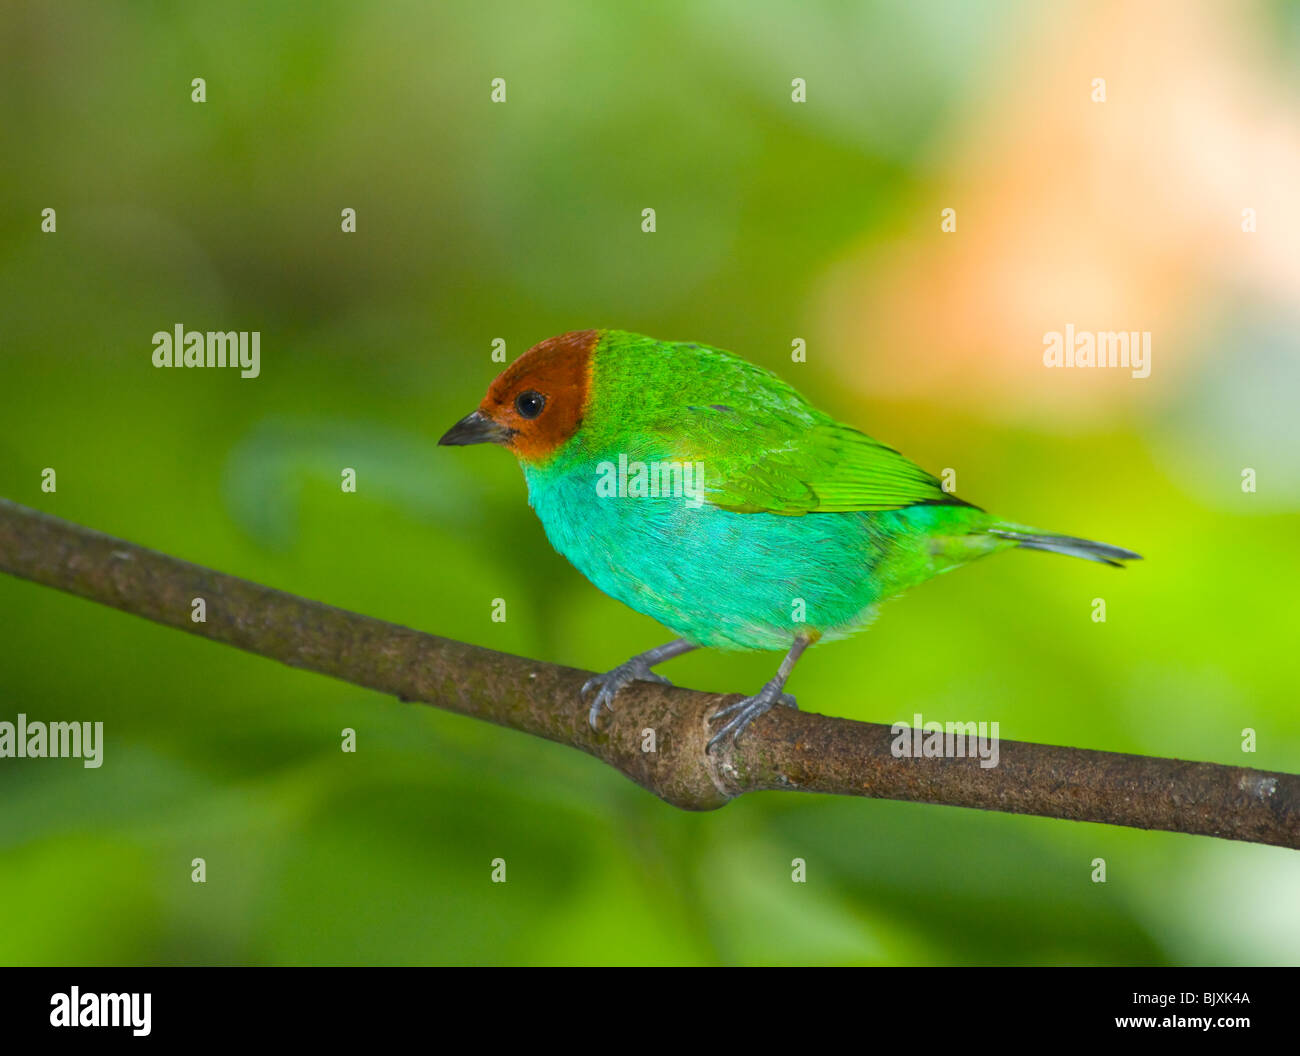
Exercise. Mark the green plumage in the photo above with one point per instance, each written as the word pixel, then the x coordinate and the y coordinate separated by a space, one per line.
pixel 805 524
pixel 765 447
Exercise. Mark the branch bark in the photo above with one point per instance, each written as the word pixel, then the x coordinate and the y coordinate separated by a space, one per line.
pixel 785 749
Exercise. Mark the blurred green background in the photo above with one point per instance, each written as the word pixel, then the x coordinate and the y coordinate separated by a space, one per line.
pixel 775 220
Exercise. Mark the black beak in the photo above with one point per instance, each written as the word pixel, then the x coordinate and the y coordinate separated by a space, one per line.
pixel 475 428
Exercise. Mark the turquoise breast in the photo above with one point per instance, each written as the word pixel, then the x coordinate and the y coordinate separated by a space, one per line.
pixel 720 579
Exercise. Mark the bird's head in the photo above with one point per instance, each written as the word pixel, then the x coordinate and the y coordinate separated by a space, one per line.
pixel 537 402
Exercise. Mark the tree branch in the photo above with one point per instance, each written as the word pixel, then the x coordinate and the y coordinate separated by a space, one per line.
pixel 785 749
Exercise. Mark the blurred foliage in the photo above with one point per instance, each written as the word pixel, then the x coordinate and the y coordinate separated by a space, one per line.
pixel 518 221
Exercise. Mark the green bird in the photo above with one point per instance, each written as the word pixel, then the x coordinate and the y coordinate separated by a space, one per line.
pixel 705 492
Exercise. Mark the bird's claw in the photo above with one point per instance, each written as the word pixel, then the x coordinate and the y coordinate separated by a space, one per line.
pixel 609 685
pixel 745 711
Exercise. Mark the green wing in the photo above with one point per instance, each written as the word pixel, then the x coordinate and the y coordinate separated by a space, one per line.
pixel 793 463
pixel 763 447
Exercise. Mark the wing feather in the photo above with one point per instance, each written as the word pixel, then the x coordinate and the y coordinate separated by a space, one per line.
pixel 793 461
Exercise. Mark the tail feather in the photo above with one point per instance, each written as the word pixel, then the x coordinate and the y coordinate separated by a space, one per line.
pixel 1069 545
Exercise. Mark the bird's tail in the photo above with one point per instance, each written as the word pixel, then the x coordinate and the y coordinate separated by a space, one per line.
pixel 1069 545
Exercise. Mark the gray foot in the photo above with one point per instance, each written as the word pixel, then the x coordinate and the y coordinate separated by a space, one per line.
pixel 609 685
pixel 743 712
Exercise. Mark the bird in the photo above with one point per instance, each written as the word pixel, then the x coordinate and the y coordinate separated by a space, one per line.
pixel 703 491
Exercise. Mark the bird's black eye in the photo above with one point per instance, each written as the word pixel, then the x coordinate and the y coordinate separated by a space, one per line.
pixel 529 404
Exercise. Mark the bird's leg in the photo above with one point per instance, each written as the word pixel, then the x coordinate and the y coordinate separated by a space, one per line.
pixel 745 711
pixel 635 670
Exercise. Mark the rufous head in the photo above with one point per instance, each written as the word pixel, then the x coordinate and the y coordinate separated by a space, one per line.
pixel 537 402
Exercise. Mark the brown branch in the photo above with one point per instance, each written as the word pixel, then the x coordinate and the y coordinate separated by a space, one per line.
pixel 784 749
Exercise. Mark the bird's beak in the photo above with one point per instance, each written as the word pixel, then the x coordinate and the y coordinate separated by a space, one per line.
pixel 476 428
